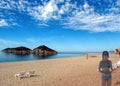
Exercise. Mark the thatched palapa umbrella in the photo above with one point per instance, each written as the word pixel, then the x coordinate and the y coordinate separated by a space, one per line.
pixel 117 51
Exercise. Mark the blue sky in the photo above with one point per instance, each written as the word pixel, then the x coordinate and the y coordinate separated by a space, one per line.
pixel 64 25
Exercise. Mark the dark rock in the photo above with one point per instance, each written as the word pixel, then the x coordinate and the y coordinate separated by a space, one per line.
pixel 43 51
pixel 18 50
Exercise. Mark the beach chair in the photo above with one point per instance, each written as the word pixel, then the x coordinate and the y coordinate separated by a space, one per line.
pixel 31 73
pixel 21 75
pixel 114 66
pixel 118 63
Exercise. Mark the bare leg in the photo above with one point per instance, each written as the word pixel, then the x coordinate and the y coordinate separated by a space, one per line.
pixel 103 82
pixel 109 82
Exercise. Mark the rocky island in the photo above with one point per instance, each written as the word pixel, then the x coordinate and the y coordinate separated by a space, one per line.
pixel 18 50
pixel 41 51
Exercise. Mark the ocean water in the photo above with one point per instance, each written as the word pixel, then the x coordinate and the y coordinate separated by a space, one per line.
pixel 8 57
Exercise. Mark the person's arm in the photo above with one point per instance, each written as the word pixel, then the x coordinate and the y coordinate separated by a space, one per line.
pixel 111 67
pixel 100 68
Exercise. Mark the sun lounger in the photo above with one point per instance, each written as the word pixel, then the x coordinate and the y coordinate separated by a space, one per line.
pixel 25 74
pixel 118 64
pixel 114 66
pixel 21 75
pixel 31 73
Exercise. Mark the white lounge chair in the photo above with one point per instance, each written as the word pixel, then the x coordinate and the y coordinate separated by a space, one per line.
pixel 118 63
pixel 31 73
pixel 114 66
pixel 21 75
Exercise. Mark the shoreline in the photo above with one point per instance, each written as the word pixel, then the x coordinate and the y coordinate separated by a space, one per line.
pixel 73 71
pixel 34 58
pixel 50 58
pixel 81 55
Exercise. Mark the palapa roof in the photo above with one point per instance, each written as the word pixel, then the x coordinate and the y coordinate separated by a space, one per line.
pixel 117 51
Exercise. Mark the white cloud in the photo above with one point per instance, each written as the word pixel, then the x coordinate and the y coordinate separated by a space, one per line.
pixel 87 19
pixel 48 10
pixel 45 12
pixel 60 0
pixel 118 2
pixel 94 22
pixel 86 6
pixel 3 23
pixel 7 22
pixel 71 15
pixel 6 8
pixel 20 5
pixel 51 11
pixel 8 43
pixel 4 5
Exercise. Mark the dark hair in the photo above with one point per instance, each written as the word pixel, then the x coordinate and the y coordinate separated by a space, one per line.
pixel 105 52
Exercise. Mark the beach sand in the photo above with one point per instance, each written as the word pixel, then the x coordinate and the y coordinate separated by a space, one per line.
pixel 73 71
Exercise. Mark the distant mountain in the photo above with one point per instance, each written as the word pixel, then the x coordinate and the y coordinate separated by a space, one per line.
pixel 43 51
pixel 39 51
pixel 17 50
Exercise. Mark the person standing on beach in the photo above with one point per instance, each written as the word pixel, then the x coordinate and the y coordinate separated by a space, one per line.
pixel 105 68
pixel 87 56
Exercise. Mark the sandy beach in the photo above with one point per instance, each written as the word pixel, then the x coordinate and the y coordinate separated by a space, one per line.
pixel 73 71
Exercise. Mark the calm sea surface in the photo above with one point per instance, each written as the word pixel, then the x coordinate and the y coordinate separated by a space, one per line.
pixel 7 57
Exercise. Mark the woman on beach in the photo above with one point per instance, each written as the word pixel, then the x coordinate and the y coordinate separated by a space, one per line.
pixel 105 68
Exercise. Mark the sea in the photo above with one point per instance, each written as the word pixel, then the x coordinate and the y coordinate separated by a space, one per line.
pixel 9 57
